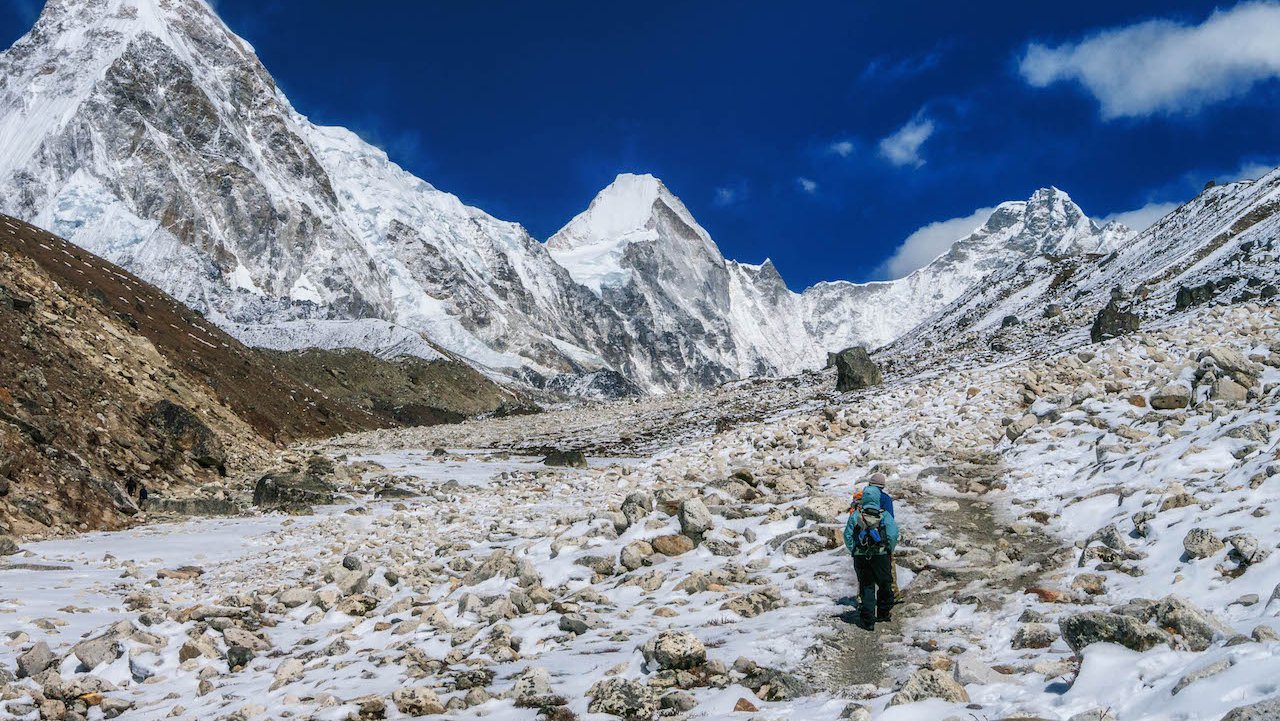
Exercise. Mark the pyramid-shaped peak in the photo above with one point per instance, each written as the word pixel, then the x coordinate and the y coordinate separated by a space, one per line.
pixel 626 206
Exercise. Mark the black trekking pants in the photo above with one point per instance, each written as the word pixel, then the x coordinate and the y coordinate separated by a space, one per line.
pixel 875 582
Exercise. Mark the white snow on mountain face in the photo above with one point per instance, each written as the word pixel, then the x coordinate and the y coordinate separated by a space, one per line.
pixel 147 132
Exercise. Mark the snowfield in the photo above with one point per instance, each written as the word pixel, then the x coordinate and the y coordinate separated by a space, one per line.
pixel 1080 543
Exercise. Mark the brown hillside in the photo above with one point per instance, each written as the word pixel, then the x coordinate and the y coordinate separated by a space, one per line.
pixel 108 385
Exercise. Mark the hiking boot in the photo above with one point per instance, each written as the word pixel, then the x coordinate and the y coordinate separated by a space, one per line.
pixel 884 618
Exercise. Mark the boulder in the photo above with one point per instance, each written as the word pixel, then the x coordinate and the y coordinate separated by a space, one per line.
pixel 417 701
pixel 929 683
pixel 99 650
pixel 533 682
pixel 183 432
pixel 1034 635
pixel 36 660
pixel 628 699
pixel 1084 629
pixel 1020 426
pixel 633 554
pixel 1172 397
pixel 855 370
pixel 1201 543
pixel 1247 550
pixel 8 546
pixel 678 650
pixel 695 518
pixel 1114 320
pixel 565 459
pixel 1228 391
pixel 824 509
pixel 239 657
pixel 672 545
pixel 1197 627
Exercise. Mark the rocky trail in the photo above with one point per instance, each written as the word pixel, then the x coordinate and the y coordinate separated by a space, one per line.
pixel 1085 534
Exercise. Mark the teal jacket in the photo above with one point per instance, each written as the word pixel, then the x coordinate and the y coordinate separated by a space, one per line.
pixel 870 499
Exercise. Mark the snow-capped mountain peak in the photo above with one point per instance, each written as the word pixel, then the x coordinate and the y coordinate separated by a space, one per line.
pixel 632 209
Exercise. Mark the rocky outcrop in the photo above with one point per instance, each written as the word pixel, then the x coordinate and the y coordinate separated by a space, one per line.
pixel 187 435
pixel 1117 318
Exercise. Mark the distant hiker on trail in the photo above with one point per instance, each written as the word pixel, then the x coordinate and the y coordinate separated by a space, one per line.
pixel 871 535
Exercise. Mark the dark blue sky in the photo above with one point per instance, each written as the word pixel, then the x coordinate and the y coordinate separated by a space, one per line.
pixel 528 109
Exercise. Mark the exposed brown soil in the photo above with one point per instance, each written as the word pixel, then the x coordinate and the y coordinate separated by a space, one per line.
pixel 404 391
pixel 108 385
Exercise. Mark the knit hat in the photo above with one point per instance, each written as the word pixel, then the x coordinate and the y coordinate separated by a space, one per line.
pixel 878 479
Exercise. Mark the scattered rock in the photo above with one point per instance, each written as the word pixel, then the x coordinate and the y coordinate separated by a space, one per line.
pixel 929 683
pixel 695 519
pixel 1084 629
pixel 631 700
pixel 417 701
pixel 1201 543
pixel 672 545
pixel 37 659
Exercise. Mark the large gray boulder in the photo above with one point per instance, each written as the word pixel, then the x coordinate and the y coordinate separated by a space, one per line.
pixel 678 650
pixel 36 660
pixel 631 700
pixel 855 370
pixel 1085 629
pixel 1197 627
pixel 695 518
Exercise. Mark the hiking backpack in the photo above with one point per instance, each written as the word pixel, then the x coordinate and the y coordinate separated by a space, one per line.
pixel 871 534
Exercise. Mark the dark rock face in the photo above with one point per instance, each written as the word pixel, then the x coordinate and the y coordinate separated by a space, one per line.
pixel 296 490
pixel 1115 320
pixel 566 459
pixel 855 370
pixel 1093 627
pixel 185 432
pixel 1196 295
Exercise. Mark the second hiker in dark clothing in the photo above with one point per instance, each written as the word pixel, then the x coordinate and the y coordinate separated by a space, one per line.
pixel 871 535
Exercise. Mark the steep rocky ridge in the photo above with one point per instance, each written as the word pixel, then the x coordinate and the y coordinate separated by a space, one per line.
pixel 1222 244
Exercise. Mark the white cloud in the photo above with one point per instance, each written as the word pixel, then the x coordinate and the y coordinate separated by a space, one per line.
pixel 1251 171
pixel 725 196
pixel 1160 66
pixel 1139 219
pixel 807 185
pixel 926 244
pixel 903 147
pixel 843 148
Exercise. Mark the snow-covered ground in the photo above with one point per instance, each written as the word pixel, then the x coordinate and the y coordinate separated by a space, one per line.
pixel 1041 502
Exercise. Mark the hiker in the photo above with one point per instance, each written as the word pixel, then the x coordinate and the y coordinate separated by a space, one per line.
pixel 878 481
pixel 143 494
pixel 871 535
